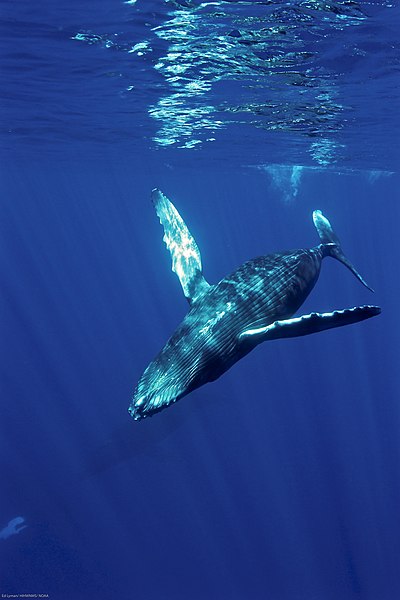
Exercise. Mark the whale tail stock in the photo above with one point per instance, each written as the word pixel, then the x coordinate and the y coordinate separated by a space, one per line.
pixel 332 246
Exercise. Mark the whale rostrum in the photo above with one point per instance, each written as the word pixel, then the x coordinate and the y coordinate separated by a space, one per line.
pixel 227 320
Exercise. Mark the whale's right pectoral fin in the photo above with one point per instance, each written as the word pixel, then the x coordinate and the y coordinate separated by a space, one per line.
pixel 308 324
pixel 186 259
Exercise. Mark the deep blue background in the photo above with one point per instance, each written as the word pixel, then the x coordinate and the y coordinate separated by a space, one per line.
pixel 279 481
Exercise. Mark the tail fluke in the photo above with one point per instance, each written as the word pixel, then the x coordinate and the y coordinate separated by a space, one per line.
pixel 332 244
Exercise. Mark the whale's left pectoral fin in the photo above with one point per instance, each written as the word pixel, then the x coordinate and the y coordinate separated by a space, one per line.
pixel 307 324
pixel 186 259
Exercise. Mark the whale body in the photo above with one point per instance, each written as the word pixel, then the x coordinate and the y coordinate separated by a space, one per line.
pixel 226 321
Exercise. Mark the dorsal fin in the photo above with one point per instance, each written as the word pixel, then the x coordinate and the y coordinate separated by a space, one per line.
pixel 186 259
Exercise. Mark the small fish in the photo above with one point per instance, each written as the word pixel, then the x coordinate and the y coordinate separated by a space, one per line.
pixel 13 527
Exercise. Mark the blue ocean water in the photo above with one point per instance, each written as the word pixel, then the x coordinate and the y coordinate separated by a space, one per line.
pixel 279 481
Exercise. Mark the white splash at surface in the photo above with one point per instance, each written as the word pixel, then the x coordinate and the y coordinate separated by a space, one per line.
pixel 286 178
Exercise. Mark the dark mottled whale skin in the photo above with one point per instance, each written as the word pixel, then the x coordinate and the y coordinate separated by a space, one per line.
pixel 227 320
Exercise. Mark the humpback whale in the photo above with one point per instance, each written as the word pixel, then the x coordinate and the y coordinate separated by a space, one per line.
pixel 226 321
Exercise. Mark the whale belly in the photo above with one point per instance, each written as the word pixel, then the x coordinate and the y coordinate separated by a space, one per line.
pixel 207 342
pixel 274 286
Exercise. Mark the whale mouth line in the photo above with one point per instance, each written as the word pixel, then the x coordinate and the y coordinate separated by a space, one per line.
pixel 142 409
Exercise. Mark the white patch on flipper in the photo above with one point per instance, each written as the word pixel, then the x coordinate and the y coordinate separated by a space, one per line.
pixel 185 254
pixel 311 323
